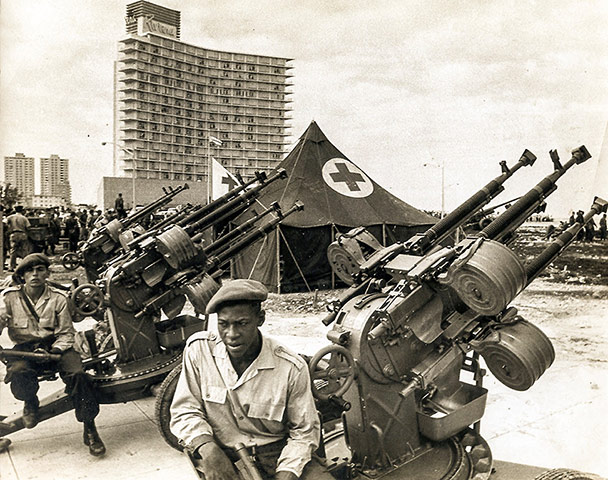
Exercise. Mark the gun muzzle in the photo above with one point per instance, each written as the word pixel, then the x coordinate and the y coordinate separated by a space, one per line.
pixel 513 217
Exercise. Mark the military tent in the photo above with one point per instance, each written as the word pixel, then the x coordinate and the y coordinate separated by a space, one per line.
pixel 337 197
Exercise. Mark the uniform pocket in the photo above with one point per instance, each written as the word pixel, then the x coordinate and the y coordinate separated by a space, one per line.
pixel 214 394
pixel 267 411
pixel 47 323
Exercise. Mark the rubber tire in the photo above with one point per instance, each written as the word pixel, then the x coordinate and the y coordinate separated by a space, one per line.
pixel 565 474
pixel 164 397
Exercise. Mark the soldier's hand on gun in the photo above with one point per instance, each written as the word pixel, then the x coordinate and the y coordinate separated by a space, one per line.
pixel 214 463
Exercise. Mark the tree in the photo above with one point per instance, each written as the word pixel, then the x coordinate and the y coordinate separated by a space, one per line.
pixel 9 195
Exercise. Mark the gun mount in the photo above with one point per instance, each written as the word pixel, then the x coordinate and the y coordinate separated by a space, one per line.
pixel 418 315
pixel 106 240
pixel 356 253
pixel 141 292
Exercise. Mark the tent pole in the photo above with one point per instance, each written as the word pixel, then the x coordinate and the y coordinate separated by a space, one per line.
pixel 333 239
pixel 295 260
pixel 384 234
pixel 278 260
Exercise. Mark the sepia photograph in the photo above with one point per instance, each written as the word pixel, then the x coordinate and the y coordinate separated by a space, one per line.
pixel 307 240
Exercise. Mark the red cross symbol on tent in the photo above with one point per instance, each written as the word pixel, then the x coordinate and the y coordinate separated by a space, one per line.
pixel 345 175
pixel 346 178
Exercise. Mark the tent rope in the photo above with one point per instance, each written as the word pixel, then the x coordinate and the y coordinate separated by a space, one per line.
pixel 294 260
pixel 255 263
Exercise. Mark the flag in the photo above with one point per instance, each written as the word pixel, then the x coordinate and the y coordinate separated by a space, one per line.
pixel 215 141
pixel 222 181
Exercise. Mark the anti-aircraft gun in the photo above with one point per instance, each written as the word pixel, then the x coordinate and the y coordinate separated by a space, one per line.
pixel 417 315
pixel 107 240
pixel 143 290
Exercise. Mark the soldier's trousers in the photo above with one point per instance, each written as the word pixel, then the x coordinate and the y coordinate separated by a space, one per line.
pixel 20 247
pixel 23 378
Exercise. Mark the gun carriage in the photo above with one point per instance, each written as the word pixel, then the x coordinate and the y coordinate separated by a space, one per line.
pixel 141 293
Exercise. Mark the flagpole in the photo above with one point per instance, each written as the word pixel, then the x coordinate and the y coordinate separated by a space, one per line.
pixel 209 169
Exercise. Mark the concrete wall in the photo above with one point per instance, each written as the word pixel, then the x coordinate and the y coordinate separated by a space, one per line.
pixel 147 191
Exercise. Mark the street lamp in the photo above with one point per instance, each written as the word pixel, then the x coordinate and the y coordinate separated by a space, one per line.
pixel 442 166
pixel 131 153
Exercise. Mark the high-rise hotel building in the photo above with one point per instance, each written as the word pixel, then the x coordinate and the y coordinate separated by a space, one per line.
pixel 19 172
pixel 173 100
pixel 55 178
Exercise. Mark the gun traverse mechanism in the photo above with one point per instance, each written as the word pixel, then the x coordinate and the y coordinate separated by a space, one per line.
pixel 417 315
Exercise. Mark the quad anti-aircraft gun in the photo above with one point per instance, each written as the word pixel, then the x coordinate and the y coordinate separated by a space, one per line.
pixel 417 315
pixel 108 239
pixel 140 292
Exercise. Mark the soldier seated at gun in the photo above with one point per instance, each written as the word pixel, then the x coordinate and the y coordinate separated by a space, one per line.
pixel 39 320
pixel 244 389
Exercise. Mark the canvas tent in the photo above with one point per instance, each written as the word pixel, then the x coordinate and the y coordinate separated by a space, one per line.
pixel 337 196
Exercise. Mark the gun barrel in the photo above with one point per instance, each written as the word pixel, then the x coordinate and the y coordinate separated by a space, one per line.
pixel 259 178
pixel 170 220
pixel 148 209
pixel 245 196
pixel 214 247
pixel 447 225
pixel 552 251
pixel 253 236
pixel 520 210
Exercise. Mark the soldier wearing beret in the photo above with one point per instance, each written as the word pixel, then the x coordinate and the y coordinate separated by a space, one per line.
pixel 243 388
pixel 39 319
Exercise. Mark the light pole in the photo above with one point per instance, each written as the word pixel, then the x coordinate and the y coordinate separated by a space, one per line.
pixel 442 166
pixel 131 153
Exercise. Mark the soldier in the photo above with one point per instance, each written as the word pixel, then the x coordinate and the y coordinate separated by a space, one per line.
pixel 83 224
pixel 18 226
pixel 119 206
pixel 241 387
pixel 72 231
pixel 590 230
pixel 603 227
pixel 580 219
pixel 39 320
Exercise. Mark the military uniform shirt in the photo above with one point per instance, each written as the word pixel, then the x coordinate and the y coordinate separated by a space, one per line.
pixel 271 401
pixel 17 223
pixel 53 312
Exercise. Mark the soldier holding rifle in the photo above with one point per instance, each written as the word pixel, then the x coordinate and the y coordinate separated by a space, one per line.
pixel 243 388
pixel 39 320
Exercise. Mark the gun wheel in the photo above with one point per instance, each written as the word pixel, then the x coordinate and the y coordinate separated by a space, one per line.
pixel 333 376
pixel 164 397
pixel 87 299
pixel 565 474
pixel 70 261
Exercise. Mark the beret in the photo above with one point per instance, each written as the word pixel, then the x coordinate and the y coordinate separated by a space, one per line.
pixel 30 261
pixel 237 290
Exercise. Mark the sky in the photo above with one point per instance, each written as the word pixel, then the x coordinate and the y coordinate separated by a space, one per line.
pixel 404 88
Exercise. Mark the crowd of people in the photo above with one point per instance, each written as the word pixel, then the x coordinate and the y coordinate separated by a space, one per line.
pixel 36 230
